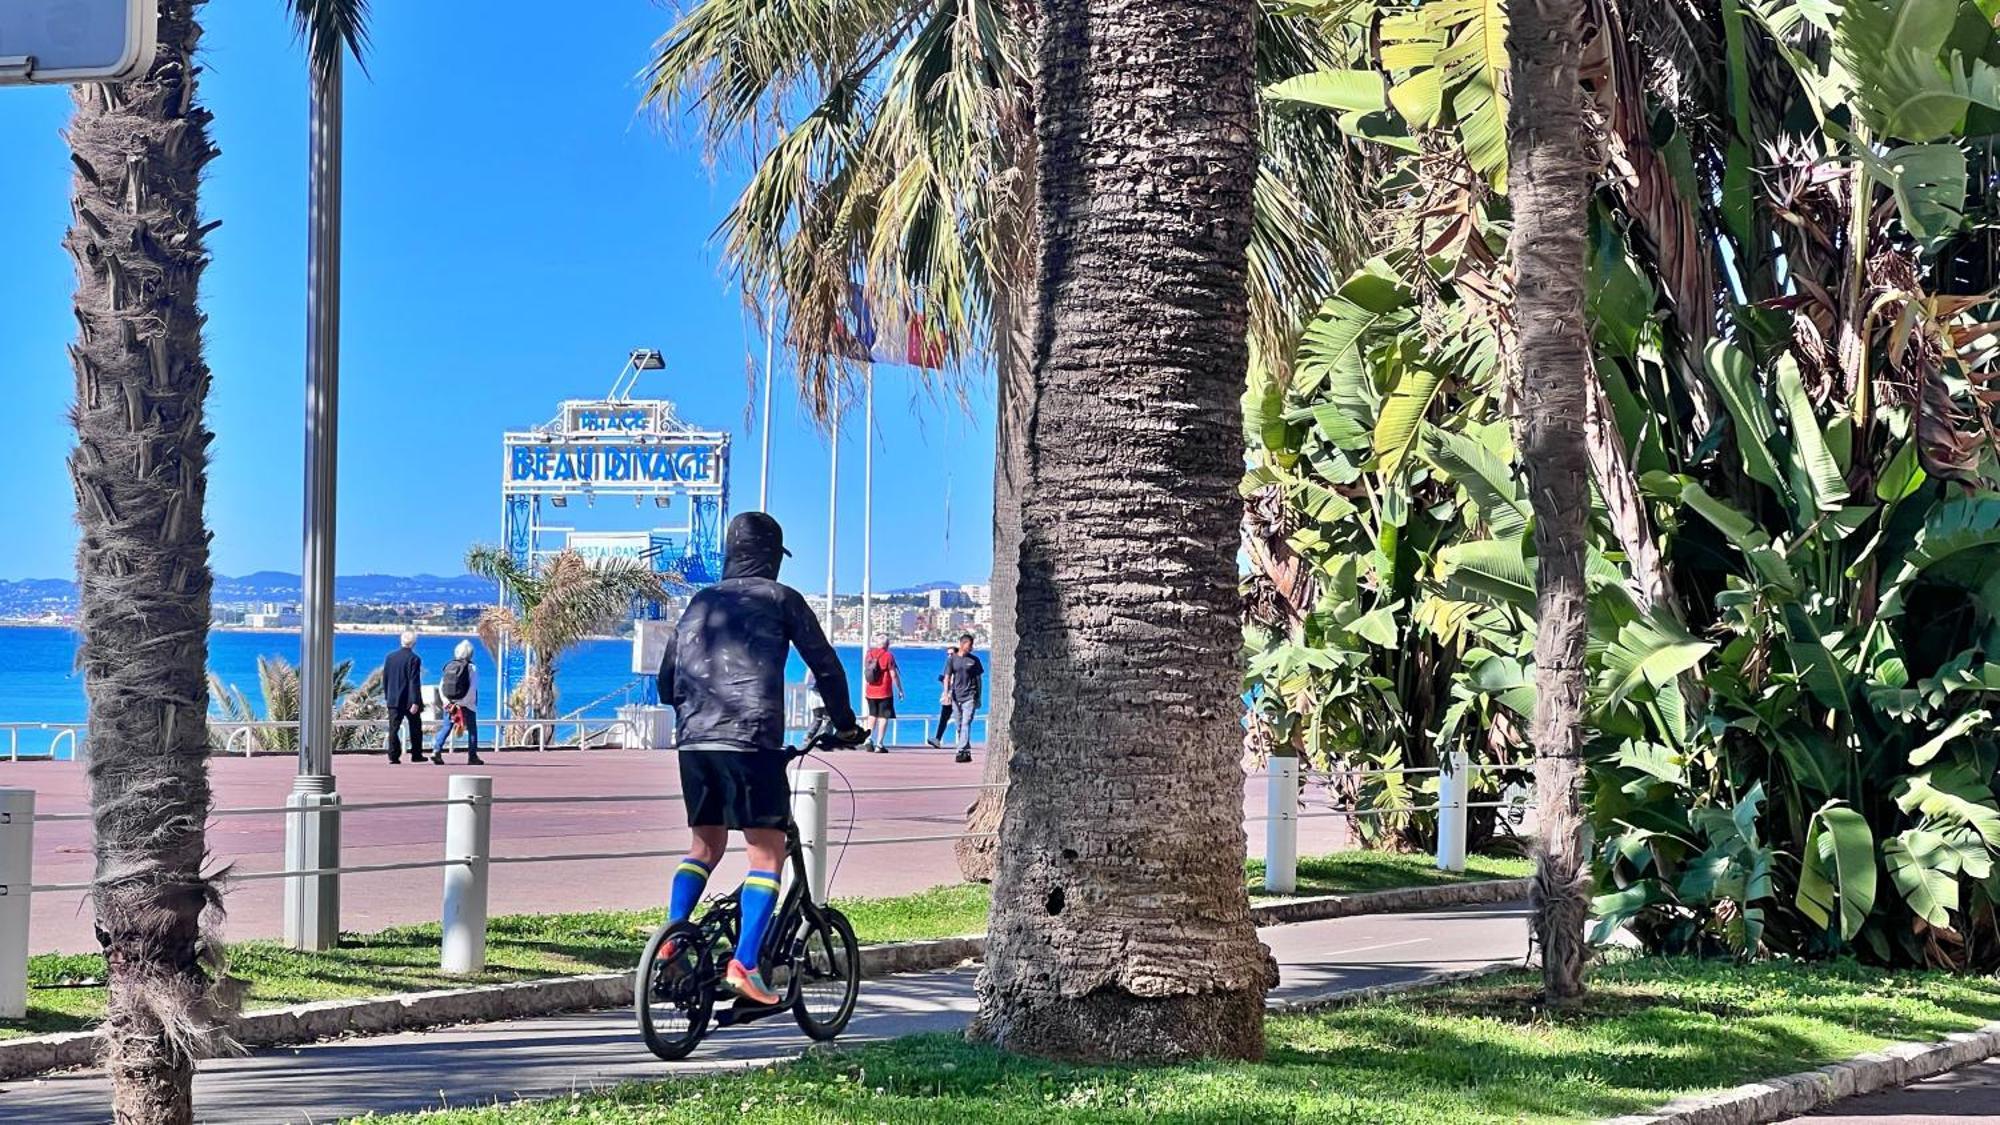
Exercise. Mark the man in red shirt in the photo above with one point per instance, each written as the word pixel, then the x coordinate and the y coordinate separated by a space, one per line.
pixel 881 686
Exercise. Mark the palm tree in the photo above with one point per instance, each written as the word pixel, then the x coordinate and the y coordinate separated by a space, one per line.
pixel 1120 928
pixel 912 168
pixel 140 474
pixel 1549 178
pixel 548 609
pixel 278 682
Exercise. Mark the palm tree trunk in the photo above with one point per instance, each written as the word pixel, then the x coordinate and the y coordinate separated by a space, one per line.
pixel 139 468
pixel 1120 924
pixel 1013 332
pixel 1549 182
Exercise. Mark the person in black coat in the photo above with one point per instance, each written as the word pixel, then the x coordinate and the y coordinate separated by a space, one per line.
pixel 403 690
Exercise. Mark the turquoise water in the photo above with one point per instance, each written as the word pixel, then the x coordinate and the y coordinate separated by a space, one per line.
pixel 39 682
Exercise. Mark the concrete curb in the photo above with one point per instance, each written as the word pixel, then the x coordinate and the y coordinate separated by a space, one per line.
pixel 1793 1094
pixel 1403 900
pixel 326 1019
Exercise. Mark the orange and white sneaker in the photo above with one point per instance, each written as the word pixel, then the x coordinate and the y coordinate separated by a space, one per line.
pixel 749 984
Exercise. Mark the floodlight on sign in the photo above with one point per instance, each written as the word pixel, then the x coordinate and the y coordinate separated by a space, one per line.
pixel 648 359
pixel 52 42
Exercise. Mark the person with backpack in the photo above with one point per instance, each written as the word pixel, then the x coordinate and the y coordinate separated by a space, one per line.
pixel 458 688
pixel 881 686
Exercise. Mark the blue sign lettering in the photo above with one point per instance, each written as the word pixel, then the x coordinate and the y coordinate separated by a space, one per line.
pixel 625 464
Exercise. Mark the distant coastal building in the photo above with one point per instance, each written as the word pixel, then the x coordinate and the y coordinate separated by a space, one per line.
pixel 272 616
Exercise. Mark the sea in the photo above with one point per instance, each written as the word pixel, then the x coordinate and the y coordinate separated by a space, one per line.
pixel 40 683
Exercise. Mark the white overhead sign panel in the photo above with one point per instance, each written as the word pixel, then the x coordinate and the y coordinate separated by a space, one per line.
pixel 60 41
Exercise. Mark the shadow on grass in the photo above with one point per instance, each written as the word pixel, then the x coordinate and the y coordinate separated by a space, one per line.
pixel 1486 1052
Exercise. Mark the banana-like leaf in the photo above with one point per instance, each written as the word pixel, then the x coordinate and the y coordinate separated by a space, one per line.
pixel 1908 85
pixel 1970 720
pixel 1838 868
pixel 1954 796
pixel 1729 370
pixel 1649 652
pixel 1402 419
pixel 1330 349
pixel 1738 528
pixel 1956 527
pixel 1826 483
pixel 1494 567
pixel 1929 182
pixel 1348 91
pixel 1461 47
pixel 1485 477
pixel 1924 869
pixel 1903 476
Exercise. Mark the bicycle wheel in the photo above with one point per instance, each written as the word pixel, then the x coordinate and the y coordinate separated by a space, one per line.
pixel 826 974
pixel 674 991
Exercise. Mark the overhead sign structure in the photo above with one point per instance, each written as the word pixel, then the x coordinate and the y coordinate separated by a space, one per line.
pixel 616 455
pixel 53 42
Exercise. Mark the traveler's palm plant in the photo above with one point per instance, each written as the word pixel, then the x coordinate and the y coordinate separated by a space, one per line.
pixel 549 609
pixel 1793 455
pixel 138 150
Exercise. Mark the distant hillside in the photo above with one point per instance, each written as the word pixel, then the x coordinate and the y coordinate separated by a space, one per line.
pixel 35 597
pixel 277 586
pixel 38 597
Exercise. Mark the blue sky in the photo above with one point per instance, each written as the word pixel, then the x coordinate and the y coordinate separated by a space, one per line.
pixel 514 225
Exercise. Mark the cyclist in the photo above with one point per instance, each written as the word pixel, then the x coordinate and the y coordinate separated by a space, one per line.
pixel 724 675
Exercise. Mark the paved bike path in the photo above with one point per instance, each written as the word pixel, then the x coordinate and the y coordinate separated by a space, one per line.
pixel 480 1063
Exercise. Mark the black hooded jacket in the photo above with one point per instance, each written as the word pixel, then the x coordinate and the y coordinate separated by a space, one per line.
pixel 724 672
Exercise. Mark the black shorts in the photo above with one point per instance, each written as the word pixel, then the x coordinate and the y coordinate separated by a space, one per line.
pixel 881 708
pixel 736 789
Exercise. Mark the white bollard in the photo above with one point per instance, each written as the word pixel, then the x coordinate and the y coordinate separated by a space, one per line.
pixel 312 843
pixel 1454 782
pixel 1281 826
pixel 17 874
pixel 468 835
pixel 809 811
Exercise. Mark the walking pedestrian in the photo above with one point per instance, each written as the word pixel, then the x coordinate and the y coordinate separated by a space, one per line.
pixel 403 690
pixel 458 688
pixel 881 686
pixel 944 705
pixel 963 674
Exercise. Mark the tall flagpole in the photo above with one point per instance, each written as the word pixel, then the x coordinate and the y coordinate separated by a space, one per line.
pixel 832 514
pixel 764 435
pixel 868 507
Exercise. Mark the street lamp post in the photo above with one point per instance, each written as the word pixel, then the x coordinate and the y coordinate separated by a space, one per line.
pixel 832 513
pixel 312 840
pixel 868 507
pixel 770 376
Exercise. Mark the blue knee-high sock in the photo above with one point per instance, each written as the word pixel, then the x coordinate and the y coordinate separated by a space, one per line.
pixel 689 880
pixel 760 895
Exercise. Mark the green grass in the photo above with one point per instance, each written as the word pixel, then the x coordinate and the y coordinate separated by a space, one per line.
pixel 1352 872
pixel 1650 1031
pixel 524 946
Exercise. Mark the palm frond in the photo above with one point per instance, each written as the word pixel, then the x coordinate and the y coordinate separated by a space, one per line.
pixel 330 26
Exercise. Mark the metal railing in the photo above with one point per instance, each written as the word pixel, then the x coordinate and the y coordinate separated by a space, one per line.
pixel 468 857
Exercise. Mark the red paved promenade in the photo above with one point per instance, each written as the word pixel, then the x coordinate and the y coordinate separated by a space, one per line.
pixel 371 901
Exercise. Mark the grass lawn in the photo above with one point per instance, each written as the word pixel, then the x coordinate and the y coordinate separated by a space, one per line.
pixel 1481 1052
pixel 526 946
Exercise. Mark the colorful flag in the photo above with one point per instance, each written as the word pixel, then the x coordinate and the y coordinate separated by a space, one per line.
pixel 906 338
